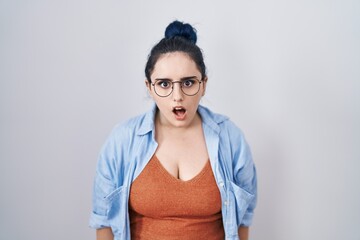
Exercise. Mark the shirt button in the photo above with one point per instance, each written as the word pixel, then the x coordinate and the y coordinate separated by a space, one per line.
pixel 221 184
pixel 226 203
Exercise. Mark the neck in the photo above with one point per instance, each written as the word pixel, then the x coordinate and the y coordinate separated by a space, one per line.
pixel 161 123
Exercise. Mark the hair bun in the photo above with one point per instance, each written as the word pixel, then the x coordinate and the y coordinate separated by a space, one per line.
pixel 180 29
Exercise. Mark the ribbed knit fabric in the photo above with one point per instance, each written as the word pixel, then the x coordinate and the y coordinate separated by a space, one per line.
pixel 164 207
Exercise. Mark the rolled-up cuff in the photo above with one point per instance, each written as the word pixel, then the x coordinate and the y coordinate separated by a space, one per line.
pixel 98 221
pixel 247 219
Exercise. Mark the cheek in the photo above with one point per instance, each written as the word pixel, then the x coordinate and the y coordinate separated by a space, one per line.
pixel 152 93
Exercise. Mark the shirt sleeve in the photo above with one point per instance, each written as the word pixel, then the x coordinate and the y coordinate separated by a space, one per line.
pixel 248 181
pixel 244 174
pixel 100 207
pixel 104 185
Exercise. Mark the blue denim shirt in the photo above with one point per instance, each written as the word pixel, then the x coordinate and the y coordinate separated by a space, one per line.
pixel 131 145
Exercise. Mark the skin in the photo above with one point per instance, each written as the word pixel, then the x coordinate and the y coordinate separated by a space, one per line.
pixel 104 234
pixel 175 66
pixel 179 141
pixel 181 144
pixel 244 233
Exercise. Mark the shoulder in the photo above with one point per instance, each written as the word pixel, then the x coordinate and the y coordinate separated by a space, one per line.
pixel 219 122
pixel 208 115
pixel 137 125
pixel 231 137
pixel 131 124
pixel 127 133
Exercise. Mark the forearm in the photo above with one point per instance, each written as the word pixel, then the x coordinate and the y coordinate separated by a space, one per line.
pixel 104 234
pixel 243 233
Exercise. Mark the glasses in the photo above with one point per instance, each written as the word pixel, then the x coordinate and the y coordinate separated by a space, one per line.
pixel 164 87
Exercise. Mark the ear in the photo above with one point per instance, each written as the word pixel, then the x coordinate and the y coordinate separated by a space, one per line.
pixel 204 82
pixel 148 85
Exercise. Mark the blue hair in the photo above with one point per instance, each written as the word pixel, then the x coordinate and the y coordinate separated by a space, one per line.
pixel 179 37
pixel 180 29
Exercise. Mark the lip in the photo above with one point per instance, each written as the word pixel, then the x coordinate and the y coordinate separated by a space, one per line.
pixel 182 116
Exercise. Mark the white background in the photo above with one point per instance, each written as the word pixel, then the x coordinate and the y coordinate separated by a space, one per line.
pixel 286 72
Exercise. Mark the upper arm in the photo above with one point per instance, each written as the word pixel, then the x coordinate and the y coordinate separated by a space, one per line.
pixel 104 182
pixel 244 172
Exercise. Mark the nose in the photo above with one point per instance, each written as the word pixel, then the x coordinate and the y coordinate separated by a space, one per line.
pixel 177 93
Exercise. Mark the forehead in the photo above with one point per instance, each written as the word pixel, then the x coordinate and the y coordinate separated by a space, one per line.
pixel 175 65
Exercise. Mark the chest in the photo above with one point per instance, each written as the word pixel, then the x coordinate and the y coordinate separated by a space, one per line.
pixel 166 196
pixel 183 156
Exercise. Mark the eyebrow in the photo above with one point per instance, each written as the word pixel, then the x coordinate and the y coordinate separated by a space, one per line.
pixel 181 79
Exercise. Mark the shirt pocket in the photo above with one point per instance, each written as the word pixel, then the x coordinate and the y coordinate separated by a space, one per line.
pixel 242 200
pixel 117 215
pixel 113 201
pixel 102 189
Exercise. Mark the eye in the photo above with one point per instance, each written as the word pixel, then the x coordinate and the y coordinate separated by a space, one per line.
pixel 188 83
pixel 163 84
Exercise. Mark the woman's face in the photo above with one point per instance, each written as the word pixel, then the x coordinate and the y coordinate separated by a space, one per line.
pixel 177 109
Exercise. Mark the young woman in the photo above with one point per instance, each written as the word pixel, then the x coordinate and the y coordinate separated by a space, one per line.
pixel 179 171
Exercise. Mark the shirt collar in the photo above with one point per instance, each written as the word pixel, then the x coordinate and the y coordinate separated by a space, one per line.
pixel 211 119
pixel 148 121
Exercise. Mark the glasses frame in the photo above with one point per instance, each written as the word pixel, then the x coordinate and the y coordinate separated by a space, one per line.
pixel 181 87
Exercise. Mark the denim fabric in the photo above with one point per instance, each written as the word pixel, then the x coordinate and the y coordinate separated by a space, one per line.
pixel 131 145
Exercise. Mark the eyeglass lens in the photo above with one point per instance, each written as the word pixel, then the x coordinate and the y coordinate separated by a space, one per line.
pixel 164 88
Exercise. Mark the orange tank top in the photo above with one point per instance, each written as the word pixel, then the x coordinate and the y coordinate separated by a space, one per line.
pixel 164 207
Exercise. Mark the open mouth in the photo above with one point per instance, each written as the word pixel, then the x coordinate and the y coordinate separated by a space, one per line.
pixel 179 112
